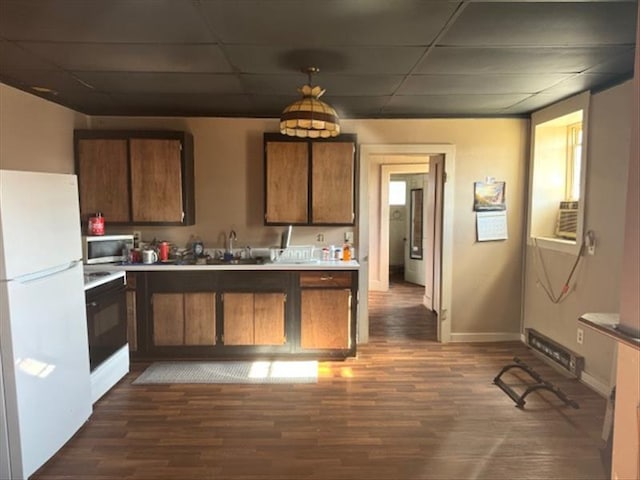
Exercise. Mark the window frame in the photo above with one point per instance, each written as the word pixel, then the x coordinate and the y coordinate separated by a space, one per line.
pixel 535 212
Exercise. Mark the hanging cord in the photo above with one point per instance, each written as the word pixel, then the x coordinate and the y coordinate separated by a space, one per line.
pixel 546 285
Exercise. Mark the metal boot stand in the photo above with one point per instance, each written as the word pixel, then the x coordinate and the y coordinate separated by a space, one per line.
pixel 541 385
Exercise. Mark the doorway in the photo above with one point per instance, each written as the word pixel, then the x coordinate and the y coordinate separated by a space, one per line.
pixel 377 161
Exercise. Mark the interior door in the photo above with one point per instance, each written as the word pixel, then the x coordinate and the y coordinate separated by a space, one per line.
pixel 414 245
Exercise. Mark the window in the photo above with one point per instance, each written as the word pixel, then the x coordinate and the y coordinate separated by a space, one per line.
pixel 397 192
pixel 557 175
pixel 574 162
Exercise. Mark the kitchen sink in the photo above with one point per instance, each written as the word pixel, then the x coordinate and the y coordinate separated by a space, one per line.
pixel 236 261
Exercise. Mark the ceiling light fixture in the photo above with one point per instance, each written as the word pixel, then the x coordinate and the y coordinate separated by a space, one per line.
pixel 310 116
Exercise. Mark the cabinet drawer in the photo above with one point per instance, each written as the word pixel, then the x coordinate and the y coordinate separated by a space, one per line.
pixel 325 279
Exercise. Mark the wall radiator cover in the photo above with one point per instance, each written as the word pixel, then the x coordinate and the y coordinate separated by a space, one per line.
pixel 558 354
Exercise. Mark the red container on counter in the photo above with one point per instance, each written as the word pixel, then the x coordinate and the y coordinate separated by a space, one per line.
pixel 163 251
pixel 96 224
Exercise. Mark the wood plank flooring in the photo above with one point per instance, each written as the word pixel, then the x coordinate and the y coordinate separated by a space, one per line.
pixel 405 408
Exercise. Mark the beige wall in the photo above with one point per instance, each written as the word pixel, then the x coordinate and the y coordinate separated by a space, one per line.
pixel 598 277
pixel 486 276
pixel 229 192
pixel 35 134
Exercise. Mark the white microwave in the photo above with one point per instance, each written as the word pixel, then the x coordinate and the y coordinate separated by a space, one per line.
pixel 106 248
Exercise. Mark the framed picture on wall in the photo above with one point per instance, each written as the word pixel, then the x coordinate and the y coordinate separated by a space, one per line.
pixel 488 196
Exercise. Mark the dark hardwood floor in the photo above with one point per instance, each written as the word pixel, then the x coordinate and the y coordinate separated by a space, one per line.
pixel 405 408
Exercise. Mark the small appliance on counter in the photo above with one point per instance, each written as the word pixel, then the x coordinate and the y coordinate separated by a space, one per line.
pixel 106 248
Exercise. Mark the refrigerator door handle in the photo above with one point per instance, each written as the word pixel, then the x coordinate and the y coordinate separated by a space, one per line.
pixel 32 277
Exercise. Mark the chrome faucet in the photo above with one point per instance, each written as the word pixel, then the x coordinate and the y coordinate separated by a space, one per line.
pixel 232 237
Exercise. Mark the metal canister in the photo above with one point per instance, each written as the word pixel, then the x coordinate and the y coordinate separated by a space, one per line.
pixel 96 224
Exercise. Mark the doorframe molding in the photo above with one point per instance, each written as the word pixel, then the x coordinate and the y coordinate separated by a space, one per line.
pixel 368 198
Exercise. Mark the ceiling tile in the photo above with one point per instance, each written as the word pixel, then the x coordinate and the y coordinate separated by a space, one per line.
pixel 128 57
pixel 12 56
pixel 586 81
pixel 344 60
pixel 343 85
pixel 566 24
pixel 307 23
pixel 478 84
pixel 170 83
pixel 184 104
pixel 450 104
pixel 470 60
pixel 112 21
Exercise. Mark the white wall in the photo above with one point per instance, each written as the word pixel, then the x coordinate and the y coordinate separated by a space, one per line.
pixel 598 277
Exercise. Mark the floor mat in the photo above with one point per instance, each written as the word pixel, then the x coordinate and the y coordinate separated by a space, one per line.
pixel 230 372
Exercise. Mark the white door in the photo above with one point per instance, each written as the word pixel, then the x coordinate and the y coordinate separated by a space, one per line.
pixel 415 252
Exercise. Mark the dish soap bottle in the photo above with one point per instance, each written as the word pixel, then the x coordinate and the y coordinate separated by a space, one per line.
pixel 346 252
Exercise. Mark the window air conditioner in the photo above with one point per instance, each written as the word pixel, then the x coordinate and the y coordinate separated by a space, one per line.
pixel 567 223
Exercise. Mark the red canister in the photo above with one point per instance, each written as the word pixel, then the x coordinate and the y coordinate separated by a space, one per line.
pixel 163 253
pixel 96 224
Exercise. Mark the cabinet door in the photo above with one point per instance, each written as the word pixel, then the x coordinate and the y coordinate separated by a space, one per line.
pixel 286 182
pixel 269 319
pixel 103 178
pixel 200 318
pixel 238 318
pixel 156 180
pixel 325 318
pixel 168 318
pixel 332 183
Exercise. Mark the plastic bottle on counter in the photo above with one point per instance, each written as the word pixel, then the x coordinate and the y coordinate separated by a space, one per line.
pixel 346 252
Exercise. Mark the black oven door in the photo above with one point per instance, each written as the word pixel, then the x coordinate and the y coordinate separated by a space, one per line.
pixel 106 320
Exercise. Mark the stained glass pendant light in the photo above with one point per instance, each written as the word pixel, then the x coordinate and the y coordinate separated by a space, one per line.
pixel 310 117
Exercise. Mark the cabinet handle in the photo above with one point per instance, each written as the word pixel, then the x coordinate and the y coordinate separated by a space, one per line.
pixel 326 277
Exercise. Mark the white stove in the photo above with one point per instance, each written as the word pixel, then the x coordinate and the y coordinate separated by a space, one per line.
pixel 107 329
pixel 93 279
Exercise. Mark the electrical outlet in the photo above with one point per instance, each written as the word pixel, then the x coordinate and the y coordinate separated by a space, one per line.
pixel 137 237
pixel 320 237
pixel 580 336
pixel 348 237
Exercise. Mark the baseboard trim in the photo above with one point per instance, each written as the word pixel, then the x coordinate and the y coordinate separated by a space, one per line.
pixel 485 337
pixel 595 384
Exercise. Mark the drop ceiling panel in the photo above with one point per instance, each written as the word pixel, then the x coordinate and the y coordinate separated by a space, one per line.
pixel 183 104
pixel 330 22
pixel 112 21
pixel 478 60
pixel 169 83
pixel 377 58
pixel 127 57
pixel 553 24
pixel 444 104
pixel 343 60
pixel 345 85
pixel 483 84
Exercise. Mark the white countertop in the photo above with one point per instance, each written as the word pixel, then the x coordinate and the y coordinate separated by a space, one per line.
pixel 160 267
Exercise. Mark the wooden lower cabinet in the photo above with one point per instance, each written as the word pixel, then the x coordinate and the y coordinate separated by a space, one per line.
pixel 254 318
pixel 325 318
pixel 132 317
pixel 184 319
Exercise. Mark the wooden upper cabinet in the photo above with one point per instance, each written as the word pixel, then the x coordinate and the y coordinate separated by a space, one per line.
pixel 332 183
pixel 286 182
pixel 309 182
pixel 102 166
pixel 156 180
pixel 136 177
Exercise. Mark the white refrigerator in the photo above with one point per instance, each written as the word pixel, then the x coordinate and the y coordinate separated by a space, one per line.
pixel 45 394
